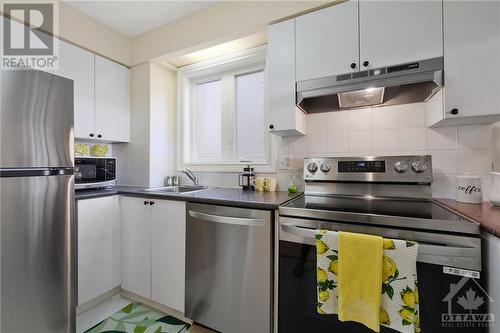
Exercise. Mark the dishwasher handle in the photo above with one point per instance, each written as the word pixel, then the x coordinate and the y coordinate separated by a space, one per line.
pixel 227 219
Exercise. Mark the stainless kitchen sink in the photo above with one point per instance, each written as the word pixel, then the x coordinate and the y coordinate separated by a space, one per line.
pixel 177 189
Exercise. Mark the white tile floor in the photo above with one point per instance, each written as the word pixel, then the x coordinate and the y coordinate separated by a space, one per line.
pixel 97 314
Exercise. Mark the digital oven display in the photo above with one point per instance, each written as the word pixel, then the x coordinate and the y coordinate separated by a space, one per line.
pixel 361 166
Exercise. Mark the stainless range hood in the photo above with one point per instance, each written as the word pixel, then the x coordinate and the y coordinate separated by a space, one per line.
pixel 401 84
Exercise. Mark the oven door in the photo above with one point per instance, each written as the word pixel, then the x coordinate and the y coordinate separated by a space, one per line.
pixel 297 279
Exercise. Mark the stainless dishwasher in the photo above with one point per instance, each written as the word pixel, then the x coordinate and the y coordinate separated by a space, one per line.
pixel 229 268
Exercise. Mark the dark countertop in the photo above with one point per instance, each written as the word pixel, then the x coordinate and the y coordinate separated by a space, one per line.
pixel 213 195
pixel 487 215
pixel 95 193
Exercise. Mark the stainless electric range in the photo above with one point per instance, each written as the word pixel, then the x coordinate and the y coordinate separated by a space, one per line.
pixel 388 196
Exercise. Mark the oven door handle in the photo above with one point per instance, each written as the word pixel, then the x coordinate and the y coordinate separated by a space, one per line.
pixel 456 256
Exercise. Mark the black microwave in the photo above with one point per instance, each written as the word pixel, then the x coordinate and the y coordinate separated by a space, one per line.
pixel 94 172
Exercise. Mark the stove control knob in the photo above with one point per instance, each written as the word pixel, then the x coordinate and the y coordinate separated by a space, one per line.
pixel 312 167
pixel 325 167
pixel 401 166
pixel 419 166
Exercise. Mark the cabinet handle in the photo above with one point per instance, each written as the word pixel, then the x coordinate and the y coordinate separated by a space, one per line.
pixel 366 63
pixel 91 135
pixel 146 202
pixel 99 136
pixel 454 111
pixel 353 65
pixel 271 126
pixel 151 203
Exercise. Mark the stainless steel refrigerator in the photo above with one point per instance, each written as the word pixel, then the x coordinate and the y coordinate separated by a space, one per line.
pixel 37 232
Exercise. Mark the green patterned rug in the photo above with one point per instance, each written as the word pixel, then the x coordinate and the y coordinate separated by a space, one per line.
pixel 136 318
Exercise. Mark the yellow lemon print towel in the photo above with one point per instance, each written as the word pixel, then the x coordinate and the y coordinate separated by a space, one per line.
pixel 399 293
pixel 359 278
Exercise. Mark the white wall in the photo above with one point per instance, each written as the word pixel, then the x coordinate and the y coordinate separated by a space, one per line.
pixel 85 31
pixel 150 155
pixel 399 130
pixel 163 126
pixel 133 157
pixel 394 130
pixel 496 147
pixel 220 23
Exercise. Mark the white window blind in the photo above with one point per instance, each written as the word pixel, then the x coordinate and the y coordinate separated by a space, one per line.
pixel 250 142
pixel 207 116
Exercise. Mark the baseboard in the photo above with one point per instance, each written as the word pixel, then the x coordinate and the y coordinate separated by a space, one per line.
pixel 98 300
pixel 157 306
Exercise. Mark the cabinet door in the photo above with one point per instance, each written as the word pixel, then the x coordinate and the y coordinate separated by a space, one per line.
pixel 472 58
pixel 112 109
pixel 168 221
pixel 327 41
pixel 136 246
pixel 78 65
pixel 98 247
pixel 280 84
pixel 395 32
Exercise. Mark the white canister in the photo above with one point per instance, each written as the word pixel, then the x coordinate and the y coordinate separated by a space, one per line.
pixel 468 189
pixel 495 189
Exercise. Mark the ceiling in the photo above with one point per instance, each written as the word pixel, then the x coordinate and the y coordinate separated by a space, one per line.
pixel 132 18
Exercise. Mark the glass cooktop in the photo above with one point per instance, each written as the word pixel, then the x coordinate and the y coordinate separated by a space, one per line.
pixel 405 213
pixel 405 208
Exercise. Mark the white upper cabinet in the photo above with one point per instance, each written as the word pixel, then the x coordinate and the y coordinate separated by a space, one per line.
pixel 283 117
pixel 357 35
pixel 471 62
pixel 395 32
pixel 112 105
pixel 78 65
pixel 327 41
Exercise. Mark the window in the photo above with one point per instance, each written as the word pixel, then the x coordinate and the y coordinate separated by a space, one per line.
pixel 222 114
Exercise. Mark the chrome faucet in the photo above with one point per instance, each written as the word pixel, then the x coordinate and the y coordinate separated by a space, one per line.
pixel 191 176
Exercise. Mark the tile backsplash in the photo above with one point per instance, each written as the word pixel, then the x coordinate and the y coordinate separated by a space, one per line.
pixel 397 130
pixel 393 130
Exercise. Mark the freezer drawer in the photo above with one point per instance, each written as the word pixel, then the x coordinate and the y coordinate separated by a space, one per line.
pixel 38 285
pixel 228 268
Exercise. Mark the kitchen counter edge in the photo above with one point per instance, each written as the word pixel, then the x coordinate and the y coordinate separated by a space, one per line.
pixel 130 191
pixel 486 214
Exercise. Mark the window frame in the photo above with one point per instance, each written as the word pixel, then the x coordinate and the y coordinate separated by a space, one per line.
pixel 230 66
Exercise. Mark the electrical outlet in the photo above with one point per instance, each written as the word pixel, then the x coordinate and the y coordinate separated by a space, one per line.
pixel 284 162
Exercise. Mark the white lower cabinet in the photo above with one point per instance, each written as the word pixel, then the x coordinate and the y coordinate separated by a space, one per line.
pixel 168 225
pixel 98 247
pixel 136 245
pixel 153 247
